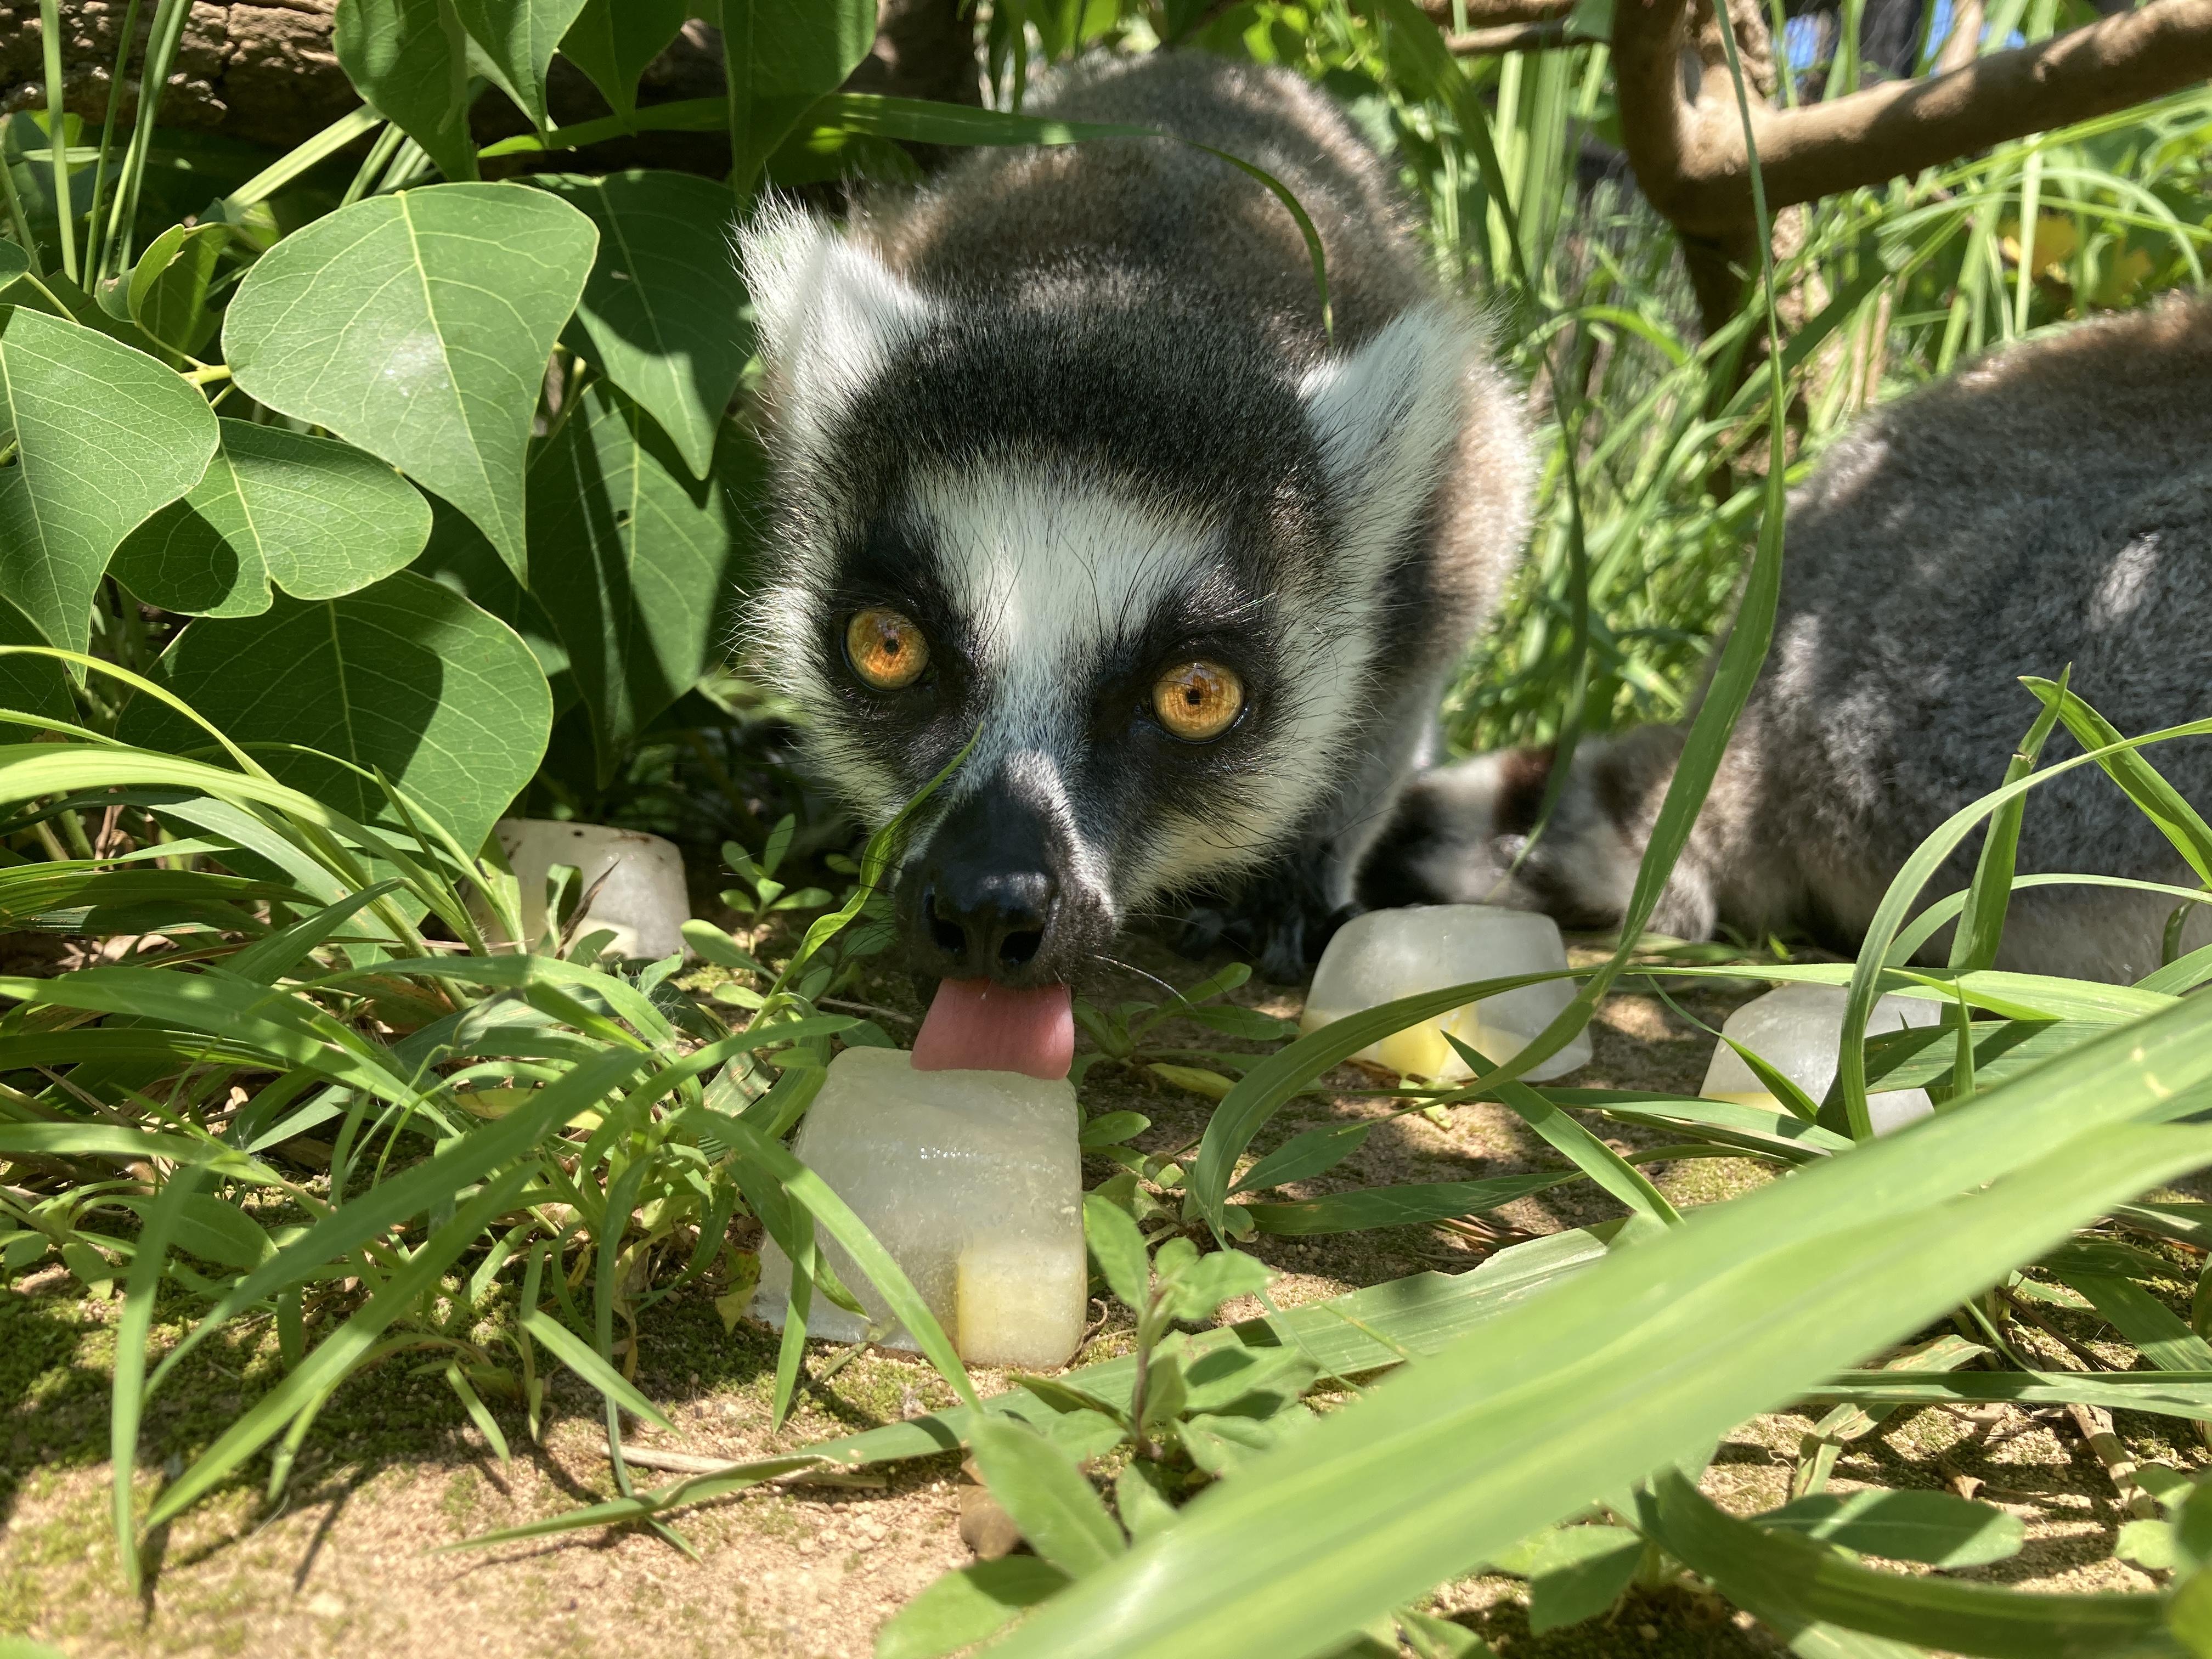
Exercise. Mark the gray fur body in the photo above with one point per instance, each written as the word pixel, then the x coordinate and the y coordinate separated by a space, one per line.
pixel 2050 505
pixel 1074 412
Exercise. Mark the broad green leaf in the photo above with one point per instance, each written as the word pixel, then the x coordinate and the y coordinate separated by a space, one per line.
pixel 416 326
pixel 410 59
pixel 1049 1497
pixel 660 314
pixel 637 566
pixel 459 558
pixel 1365 1208
pixel 613 40
pixel 405 676
pixel 1578 1573
pixel 963 1607
pixel 1939 1528
pixel 169 286
pixel 781 57
pixel 34 685
pixel 1790 1582
pixel 1642 1358
pixel 317 517
pixel 102 436
pixel 14 261
pixel 520 36
pixel 1120 1250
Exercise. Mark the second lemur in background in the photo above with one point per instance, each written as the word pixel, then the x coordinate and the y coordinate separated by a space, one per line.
pixel 2051 505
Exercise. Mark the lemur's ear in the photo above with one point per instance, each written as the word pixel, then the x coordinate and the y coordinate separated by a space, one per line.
pixel 828 312
pixel 1388 416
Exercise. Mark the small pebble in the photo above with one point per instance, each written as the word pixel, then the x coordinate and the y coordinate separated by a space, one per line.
pixel 1649 1632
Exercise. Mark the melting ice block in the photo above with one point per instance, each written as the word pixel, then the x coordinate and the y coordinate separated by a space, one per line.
pixel 1795 1029
pixel 642 899
pixel 1387 954
pixel 972 1181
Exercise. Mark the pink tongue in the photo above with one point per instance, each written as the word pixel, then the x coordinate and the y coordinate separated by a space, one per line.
pixel 975 1025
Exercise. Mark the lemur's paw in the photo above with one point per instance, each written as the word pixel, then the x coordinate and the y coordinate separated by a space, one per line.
pixel 1280 932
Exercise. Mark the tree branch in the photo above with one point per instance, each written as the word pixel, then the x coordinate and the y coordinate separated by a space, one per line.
pixel 1493 14
pixel 1511 37
pixel 1689 156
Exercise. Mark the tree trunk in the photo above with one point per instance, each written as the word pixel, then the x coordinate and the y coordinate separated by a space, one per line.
pixel 264 71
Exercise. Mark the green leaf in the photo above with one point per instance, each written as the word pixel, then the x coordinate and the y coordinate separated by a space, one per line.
pixel 169 287
pixel 1790 1582
pixel 1063 1519
pixel 1579 1572
pixel 520 36
pixel 1113 1128
pixel 14 261
pixel 1566 1134
pixel 636 564
pixel 404 676
pixel 1303 1155
pixel 613 40
pixel 161 1221
pixel 572 1351
pixel 1939 1528
pixel 103 435
pixel 1119 1249
pixel 34 685
pixel 317 517
pixel 410 59
pixel 1221 1276
pixel 963 1607
pixel 2157 799
pixel 1416 1205
pixel 459 558
pixel 782 56
pixel 660 314
pixel 416 326
pixel 1262 1090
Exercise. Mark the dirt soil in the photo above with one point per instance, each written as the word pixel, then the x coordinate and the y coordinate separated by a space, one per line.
pixel 354 1560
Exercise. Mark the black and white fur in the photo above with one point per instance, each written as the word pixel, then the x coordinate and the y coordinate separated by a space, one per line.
pixel 2049 505
pixel 1073 410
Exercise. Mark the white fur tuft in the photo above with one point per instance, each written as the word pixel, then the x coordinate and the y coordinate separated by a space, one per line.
pixel 828 314
pixel 1388 417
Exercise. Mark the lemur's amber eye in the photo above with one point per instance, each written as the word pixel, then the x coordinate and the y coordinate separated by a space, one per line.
pixel 887 650
pixel 1198 702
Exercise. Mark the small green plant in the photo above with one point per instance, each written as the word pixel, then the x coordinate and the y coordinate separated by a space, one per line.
pixel 762 896
pixel 1122 1035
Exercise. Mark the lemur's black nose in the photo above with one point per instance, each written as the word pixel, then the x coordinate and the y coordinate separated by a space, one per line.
pixel 987 894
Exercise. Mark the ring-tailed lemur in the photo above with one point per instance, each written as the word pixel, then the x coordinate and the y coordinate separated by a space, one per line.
pixel 2052 505
pixel 1063 452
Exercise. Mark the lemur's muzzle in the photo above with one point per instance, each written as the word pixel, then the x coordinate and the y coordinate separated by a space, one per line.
pixel 984 899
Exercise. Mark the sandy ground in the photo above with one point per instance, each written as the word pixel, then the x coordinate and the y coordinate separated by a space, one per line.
pixel 351 1560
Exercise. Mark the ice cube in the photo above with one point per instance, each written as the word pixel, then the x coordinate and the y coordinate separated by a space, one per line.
pixel 1387 954
pixel 642 902
pixel 972 1181
pixel 1796 1030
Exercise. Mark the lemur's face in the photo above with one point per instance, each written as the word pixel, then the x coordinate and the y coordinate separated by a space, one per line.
pixel 1126 573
